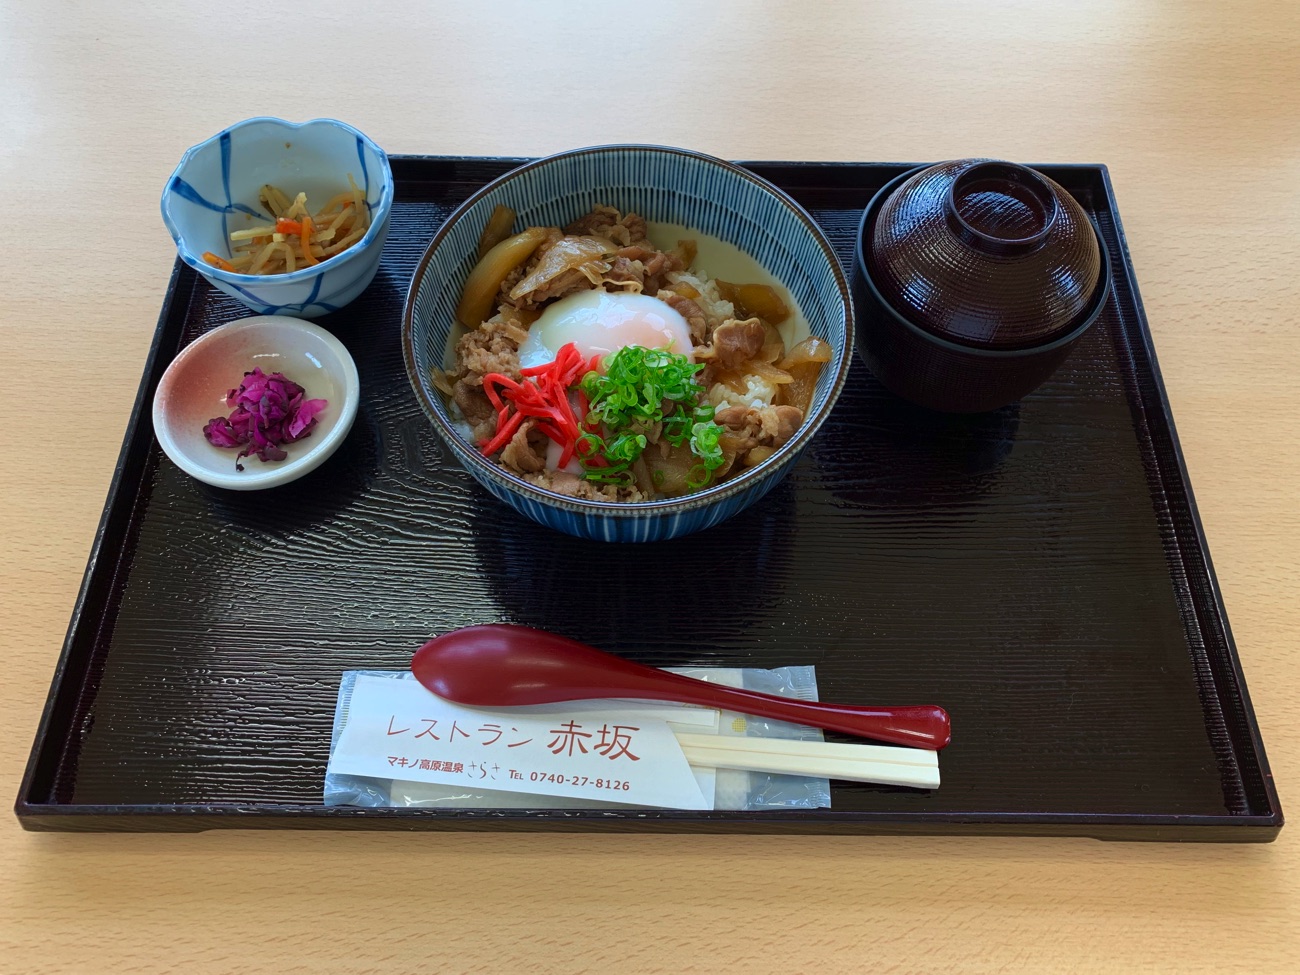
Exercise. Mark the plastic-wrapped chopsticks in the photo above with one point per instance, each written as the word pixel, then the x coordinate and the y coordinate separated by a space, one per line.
pixel 884 764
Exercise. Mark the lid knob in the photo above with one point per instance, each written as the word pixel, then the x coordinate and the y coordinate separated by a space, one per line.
pixel 1000 208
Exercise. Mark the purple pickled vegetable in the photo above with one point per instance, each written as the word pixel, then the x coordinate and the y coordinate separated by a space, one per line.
pixel 268 411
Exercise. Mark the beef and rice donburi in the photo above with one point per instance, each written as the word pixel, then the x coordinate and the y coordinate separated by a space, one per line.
pixel 610 360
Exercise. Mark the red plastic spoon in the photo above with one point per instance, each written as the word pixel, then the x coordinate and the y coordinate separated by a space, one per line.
pixel 498 665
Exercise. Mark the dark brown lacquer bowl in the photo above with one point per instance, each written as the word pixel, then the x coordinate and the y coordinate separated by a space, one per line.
pixel 975 279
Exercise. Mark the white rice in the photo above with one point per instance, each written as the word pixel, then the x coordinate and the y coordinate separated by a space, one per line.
pixel 758 394
pixel 715 308
pixel 459 422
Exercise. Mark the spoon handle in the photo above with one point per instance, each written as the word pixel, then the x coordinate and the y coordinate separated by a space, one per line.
pixel 921 726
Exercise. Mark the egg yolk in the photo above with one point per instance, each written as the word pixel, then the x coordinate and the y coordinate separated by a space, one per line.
pixel 601 323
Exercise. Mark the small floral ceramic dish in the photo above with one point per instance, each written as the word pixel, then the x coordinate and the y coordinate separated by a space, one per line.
pixel 215 191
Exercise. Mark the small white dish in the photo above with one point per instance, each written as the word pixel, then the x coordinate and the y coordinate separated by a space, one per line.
pixel 193 391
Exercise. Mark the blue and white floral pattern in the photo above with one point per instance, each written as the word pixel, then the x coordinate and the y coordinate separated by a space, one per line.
pixel 664 185
pixel 218 180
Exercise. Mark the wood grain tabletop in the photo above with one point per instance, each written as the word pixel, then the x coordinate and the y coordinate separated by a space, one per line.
pixel 1195 107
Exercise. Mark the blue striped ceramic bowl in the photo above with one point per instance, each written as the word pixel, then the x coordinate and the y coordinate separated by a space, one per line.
pixel 214 191
pixel 663 185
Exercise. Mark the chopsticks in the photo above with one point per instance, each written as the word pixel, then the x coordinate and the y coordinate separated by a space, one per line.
pixel 883 764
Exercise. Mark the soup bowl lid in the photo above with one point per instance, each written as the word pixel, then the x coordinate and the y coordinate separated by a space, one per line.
pixel 985 253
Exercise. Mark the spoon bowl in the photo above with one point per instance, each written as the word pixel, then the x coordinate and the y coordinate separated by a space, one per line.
pixel 500 665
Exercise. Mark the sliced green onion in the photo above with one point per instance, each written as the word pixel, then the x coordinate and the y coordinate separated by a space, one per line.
pixel 630 397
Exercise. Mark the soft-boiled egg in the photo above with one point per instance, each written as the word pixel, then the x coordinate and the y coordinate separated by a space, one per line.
pixel 601 322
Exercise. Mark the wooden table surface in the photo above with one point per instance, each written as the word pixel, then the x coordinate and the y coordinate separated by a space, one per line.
pixel 1195 106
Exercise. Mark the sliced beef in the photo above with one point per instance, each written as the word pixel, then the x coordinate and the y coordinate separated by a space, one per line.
pixel 655 265
pixel 609 223
pixel 570 485
pixel 564 283
pixel 508 285
pixel 625 270
pixel 526 451
pixel 735 342
pixel 474 405
pixel 492 347
pixel 596 223
pixel 767 426
pixel 638 252
pixel 636 228
pixel 689 310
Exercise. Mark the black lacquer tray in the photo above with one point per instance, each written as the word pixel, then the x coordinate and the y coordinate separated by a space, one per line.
pixel 1040 571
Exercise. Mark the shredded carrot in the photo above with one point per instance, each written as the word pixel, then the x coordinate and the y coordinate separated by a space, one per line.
pixel 286 226
pixel 219 262
pixel 305 232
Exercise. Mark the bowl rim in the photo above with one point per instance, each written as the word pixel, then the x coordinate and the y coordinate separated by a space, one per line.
pixel 1092 311
pixel 284 471
pixel 382 208
pixel 629 509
